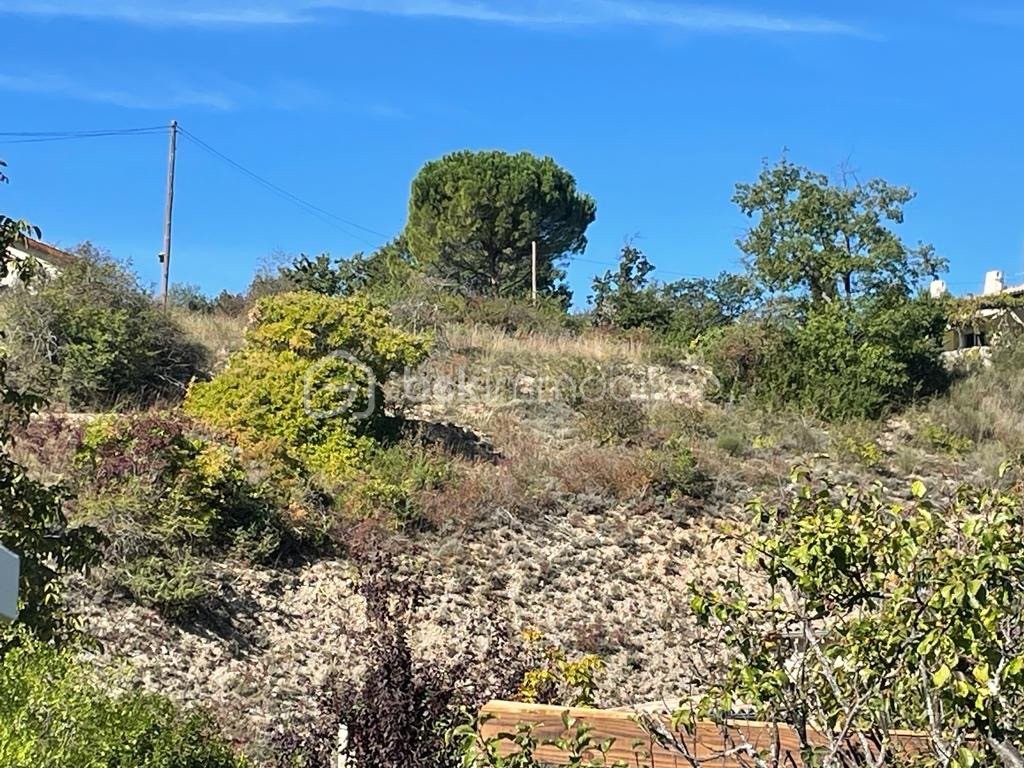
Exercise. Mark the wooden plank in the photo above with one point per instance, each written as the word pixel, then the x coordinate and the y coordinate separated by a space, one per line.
pixel 711 744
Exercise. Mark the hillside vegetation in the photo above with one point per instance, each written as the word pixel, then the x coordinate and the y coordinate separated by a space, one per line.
pixel 378 491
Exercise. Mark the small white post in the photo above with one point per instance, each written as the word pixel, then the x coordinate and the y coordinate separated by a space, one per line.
pixel 10 571
pixel 343 761
pixel 534 256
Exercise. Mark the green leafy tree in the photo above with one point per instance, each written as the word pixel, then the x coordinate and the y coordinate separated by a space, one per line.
pixel 32 520
pixel 319 275
pixel 829 241
pixel 848 334
pixel 627 298
pixel 883 614
pixel 473 215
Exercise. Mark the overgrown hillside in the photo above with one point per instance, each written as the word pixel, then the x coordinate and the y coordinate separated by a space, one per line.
pixel 385 489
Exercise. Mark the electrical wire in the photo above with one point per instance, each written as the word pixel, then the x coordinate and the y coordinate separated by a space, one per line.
pixel 314 210
pixel 34 137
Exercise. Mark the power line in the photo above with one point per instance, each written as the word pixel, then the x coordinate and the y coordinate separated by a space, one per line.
pixel 314 210
pixel 34 137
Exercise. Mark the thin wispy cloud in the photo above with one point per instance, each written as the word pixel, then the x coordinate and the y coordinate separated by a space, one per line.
pixel 143 98
pixel 280 94
pixel 531 13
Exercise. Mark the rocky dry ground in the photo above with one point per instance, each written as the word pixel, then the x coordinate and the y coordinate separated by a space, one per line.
pixel 612 581
pixel 593 574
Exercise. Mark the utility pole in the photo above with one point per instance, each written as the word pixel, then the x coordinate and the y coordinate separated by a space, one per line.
pixel 165 257
pixel 534 260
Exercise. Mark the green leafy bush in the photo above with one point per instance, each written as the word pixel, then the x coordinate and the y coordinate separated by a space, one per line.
pixel 938 437
pixel 311 364
pixel 677 473
pixel 55 712
pixel 884 614
pixel 167 498
pixel 91 337
pixel 840 361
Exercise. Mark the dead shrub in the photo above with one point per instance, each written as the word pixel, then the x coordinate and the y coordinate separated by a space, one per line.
pixel 609 470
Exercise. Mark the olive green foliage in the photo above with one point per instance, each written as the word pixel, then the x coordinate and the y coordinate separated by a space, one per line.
pixel 860 363
pixel 55 712
pixel 677 473
pixel 168 499
pixel 683 310
pixel 473 216
pixel 555 678
pixel 938 437
pixel 513 315
pixel 884 614
pixel 91 337
pixel 191 298
pixel 383 275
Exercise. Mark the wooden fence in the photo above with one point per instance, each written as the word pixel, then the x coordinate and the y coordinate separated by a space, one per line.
pixel 710 745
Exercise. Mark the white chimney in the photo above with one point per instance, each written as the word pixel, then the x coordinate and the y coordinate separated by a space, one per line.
pixel 938 289
pixel 993 283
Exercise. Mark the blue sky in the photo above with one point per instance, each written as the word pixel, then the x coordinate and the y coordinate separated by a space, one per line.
pixel 658 108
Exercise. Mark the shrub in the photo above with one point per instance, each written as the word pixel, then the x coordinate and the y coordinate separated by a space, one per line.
pixel 513 315
pixel 884 614
pixel 397 712
pixel 557 679
pixel 91 337
pixel 858 443
pixel 168 497
pixel 309 380
pixel 938 437
pixel 840 361
pixel 610 419
pixel 33 525
pixel 733 443
pixel 55 712
pixel 676 472
pixel 311 365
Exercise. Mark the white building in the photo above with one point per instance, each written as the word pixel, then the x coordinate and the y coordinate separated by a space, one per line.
pixel 52 260
pixel 987 316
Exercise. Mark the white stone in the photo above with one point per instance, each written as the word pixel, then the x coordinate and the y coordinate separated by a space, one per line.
pixel 9 572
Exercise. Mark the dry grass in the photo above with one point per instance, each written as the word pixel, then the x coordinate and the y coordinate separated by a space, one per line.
pixel 593 345
pixel 217 333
